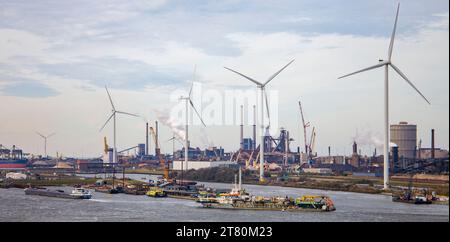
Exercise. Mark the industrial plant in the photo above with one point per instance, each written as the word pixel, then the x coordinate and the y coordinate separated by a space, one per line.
pixel 266 154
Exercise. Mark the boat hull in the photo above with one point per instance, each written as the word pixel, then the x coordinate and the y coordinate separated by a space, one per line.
pixel 264 208
pixel 57 193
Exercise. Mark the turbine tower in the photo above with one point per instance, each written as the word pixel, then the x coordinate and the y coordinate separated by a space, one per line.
pixel 188 101
pixel 386 64
pixel 45 141
pixel 261 86
pixel 113 116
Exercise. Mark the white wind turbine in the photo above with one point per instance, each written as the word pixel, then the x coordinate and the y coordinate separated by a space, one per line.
pixel 386 64
pixel 45 140
pixel 261 86
pixel 188 101
pixel 113 116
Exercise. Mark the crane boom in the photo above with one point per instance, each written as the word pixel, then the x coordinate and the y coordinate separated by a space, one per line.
pixel 305 125
pixel 313 142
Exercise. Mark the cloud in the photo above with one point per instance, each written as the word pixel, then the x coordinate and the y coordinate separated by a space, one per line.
pixel 28 89
pixel 152 46
pixel 116 73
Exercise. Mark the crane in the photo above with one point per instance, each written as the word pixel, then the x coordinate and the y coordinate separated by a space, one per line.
pixel 162 162
pixel 305 126
pixel 312 144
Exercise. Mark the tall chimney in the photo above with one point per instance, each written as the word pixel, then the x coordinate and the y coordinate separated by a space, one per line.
pixel 242 127
pixel 329 150
pixel 432 144
pixel 157 150
pixel 254 127
pixel 146 138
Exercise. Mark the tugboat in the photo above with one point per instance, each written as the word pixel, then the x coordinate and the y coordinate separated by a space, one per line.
pixel 156 192
pixel 81 193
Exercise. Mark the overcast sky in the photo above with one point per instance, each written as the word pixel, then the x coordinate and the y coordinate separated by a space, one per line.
pixel 57 56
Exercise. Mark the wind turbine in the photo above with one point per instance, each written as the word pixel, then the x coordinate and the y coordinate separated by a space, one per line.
pixel 261 86
pixel 45 140
pixel 113 116
pixel 188 101
pixel 386 64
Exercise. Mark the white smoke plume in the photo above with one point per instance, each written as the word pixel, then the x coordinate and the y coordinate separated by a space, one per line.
pixel 207 143
pixel 176 128
pixel 368 138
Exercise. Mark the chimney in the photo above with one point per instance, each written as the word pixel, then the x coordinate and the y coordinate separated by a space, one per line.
pixel 242 127
pixel 157 150
pixel 146 138
pixel 329 150
pixel 432 144
pixel 254 127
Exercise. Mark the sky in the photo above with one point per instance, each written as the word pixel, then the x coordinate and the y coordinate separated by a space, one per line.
pixel 57 56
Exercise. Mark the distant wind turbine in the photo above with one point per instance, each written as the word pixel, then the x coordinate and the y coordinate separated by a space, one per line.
pixel 188 101
pixel 45 141
pixel 113 116
pixel 262 87
pixel 386 64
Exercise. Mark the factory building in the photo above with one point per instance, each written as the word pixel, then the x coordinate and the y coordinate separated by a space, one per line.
pixel 196 164
pixel 404 135
pixel 248 144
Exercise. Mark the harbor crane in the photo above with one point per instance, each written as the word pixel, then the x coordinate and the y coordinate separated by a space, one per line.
pixel 305 126
pixel 311 147
pixel 162 161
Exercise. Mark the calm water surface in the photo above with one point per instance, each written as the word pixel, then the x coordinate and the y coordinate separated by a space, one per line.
pixel 16 206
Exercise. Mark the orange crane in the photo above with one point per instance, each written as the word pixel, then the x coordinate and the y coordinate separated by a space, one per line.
pixel 162 162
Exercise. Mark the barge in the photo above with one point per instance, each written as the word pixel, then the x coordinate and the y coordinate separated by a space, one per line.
pixel 239 199
pixel 77 193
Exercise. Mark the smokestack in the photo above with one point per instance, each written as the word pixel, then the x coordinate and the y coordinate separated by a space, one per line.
pixel 146 138
pixel 254 127
pixel 157 150
pixel 242 127
pixel 432 144
pixel 329 151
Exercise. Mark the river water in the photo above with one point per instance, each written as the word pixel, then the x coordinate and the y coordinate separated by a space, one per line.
pixel 16 206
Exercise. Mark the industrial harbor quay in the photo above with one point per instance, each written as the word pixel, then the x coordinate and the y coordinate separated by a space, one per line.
pixel 224 111
pixel 104 207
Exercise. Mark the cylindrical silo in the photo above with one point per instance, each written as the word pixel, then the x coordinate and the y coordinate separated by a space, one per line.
pixel 404 135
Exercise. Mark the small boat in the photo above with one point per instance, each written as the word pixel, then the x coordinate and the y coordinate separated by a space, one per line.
pixel 156 192
pixel 108 190
pixel 412 200
pixel 81 193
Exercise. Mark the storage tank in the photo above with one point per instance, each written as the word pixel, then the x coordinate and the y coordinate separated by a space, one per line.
pixel 405 136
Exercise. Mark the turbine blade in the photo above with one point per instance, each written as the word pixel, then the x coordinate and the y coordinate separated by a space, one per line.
pixel 267 105
pixel 110 99
pixel 391 45
pixel 190 90
pixel 408 81
pixel 50 135
pixel 198 115
pixel 110 117
pixel 246 77
pixel 365 69
pixel 130 114
pixel 40 135
pixel 278 72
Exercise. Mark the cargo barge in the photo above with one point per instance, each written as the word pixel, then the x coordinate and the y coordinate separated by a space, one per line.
pixel 304 203
pixel 239 199
pixel 77 193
